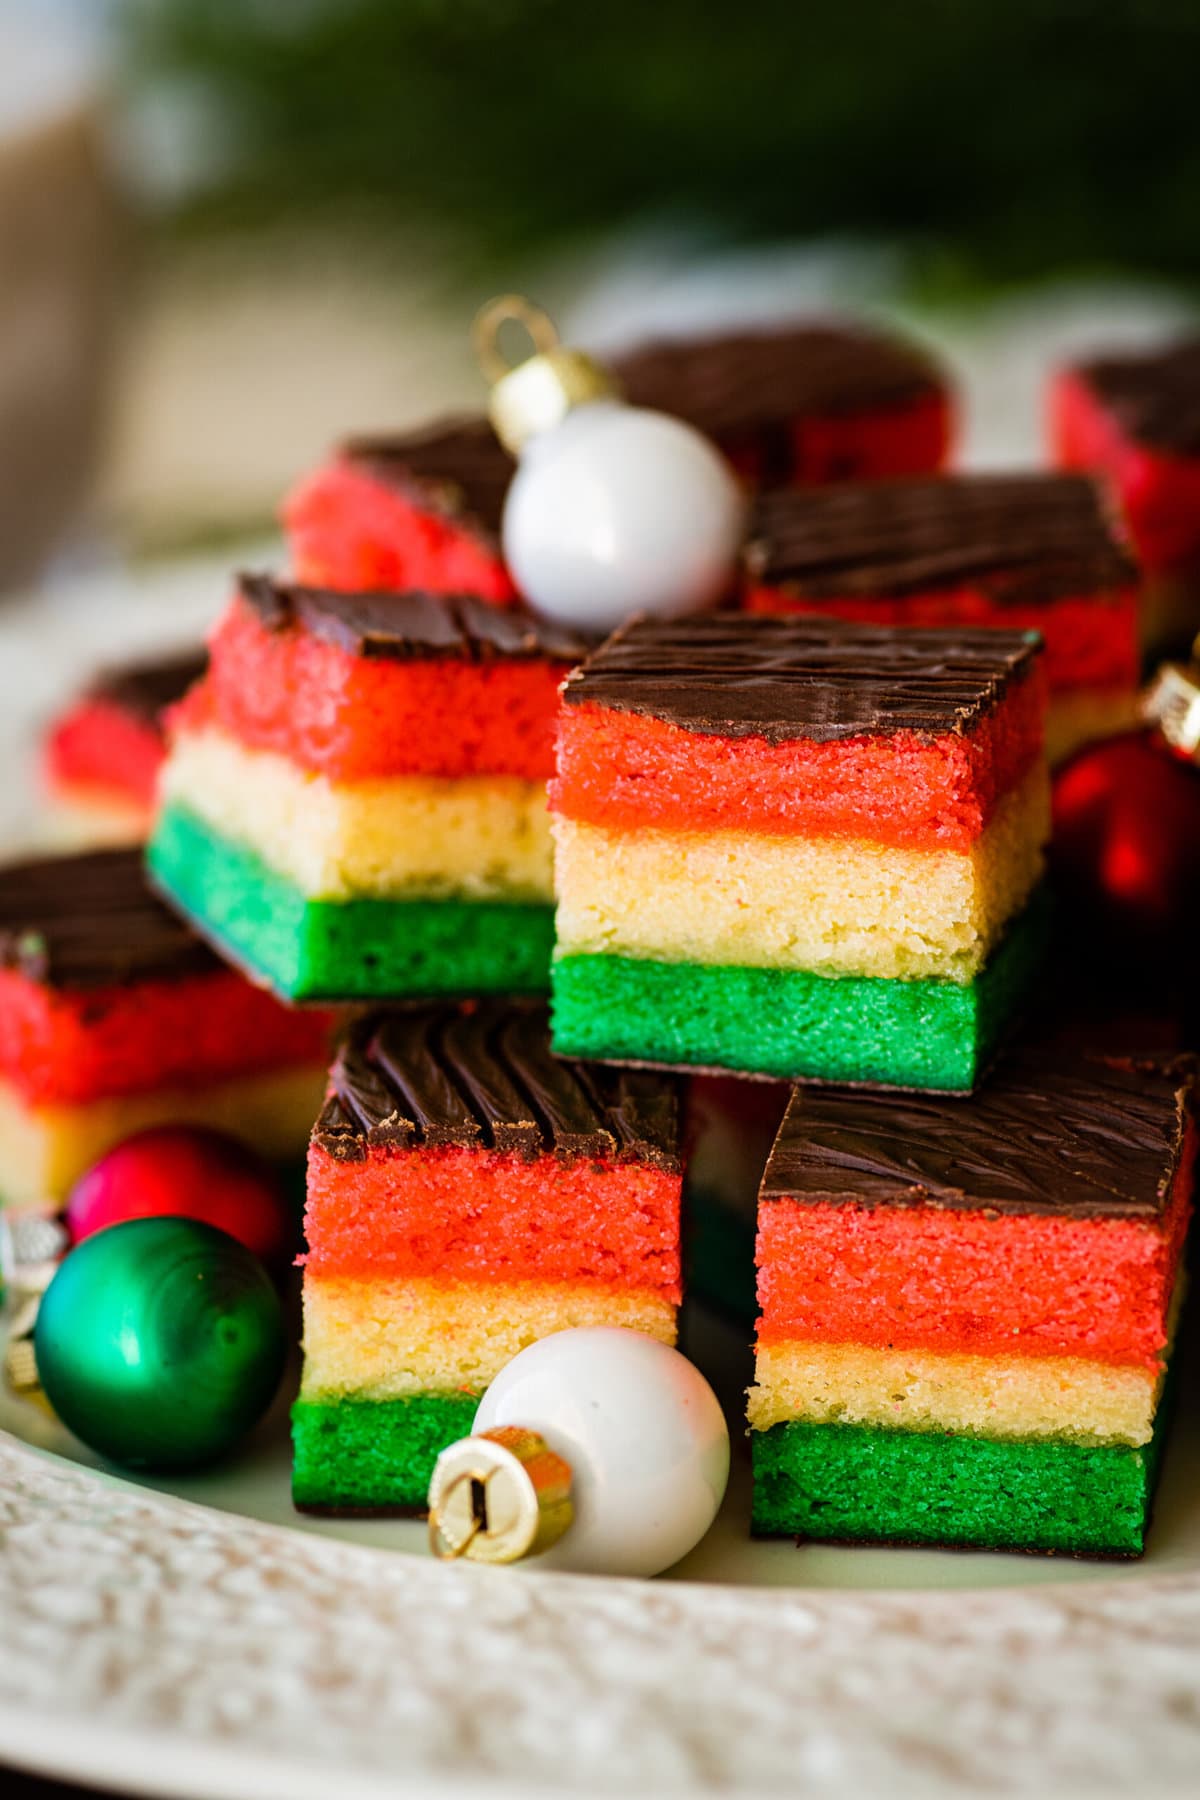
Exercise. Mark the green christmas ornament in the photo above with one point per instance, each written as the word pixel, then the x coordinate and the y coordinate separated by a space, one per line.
pixel 160 1342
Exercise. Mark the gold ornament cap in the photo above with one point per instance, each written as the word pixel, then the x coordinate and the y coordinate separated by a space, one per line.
pixel 1172 704
pixel 498 1496
pixel 536 393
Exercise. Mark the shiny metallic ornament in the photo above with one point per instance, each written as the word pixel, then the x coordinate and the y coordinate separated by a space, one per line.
pixel 614 509
pixel 160 1342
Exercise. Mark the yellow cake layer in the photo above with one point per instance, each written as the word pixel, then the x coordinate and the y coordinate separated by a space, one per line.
pixel 484 837
pixel 834 906
pixel 45 1149
pixel 1077 717
pixel 999 1397
pixel 382 1339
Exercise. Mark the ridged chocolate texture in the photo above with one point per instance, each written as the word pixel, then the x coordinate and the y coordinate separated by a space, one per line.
pixel 455 466
pixel 1154 396
pixel 1073 1136
pixel 732 383
pixel 482 1077
pixel 91 921
pixel 410 627
pixel 1019 538
pixel 802 676
pixel 146 689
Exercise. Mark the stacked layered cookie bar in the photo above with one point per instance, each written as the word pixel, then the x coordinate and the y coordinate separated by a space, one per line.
pixel 967 1309
pixel 1134 418
pixel 1036 551
pixel 415 510
pixel 813 402
pixel 102 755
pixel 468 1193
pixel 799 847
pixel 114 1016
pixel 354 801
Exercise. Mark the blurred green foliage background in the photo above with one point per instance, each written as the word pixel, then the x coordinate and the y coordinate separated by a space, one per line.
pixel 999 139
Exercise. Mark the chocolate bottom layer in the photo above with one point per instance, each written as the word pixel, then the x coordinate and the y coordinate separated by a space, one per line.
pixel 352 950
pixel 871 1485
pixel 368 1456
pixel 791 1024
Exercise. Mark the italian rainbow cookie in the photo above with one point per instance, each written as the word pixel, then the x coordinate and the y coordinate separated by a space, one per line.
pixel 354 803
pixel 114 1016
pixel 800 848
pixel 1132 418
pixel 1036 551
pixel 468 1194
pixel 418 509
pixel 967 1309
pixel 102 754
pixel 816 401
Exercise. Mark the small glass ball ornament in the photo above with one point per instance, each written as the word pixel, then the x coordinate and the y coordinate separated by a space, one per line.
pixel 614 509
pixel 160 1342
pixel 192 1172
pixel 599 1450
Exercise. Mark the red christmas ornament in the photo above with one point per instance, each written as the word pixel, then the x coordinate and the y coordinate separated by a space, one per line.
pixel 1126 847
pixel 188 1172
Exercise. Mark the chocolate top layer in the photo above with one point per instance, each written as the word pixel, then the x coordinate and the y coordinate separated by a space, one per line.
pixel 483 1077
pixel 146 689
pixel 1018 537
pixel 91 921
pixel 410 627
pixel 455 466
pixel 1063 1134
pixel 731 383
pixel 739 675
pixel 1154 395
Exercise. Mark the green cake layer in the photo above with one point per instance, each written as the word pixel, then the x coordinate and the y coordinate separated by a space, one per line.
pixel 872 1485
pixel 792 1024
pixel 352 950
pixel 373 1455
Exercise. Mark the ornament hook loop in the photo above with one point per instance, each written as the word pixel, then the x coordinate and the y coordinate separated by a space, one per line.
pixel 490 320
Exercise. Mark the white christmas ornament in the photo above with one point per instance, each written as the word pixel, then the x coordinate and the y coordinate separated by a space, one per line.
pixel 600 1450
pixel 613 510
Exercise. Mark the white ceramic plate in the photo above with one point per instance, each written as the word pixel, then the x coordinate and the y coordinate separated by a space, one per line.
pixel 206 1641
pixel 201 1638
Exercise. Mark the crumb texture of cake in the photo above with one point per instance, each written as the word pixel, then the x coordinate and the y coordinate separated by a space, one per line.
pixel 1025 551
pixel 816 401
pixel 115 1016
pixel 416 510
pixel 799 847
pixel 468 1194
pixel 354 804
pixel 967 1311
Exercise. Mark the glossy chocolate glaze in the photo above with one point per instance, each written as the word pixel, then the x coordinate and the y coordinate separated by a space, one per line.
pixel 1018 538
pixel 91 921
pixel 482 1076
pixel 410 626
pixel 1059 1134
pixel 803 676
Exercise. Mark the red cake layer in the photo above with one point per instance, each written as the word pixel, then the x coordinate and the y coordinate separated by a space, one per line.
pixel 59 1046
pixel 353 718
pixel 911 440
pixel 1159 493
pixel 1089 641
pixel 485 1215
pixel 100 746
pixel 918 1278
pixel 626 770
pixel 349 530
